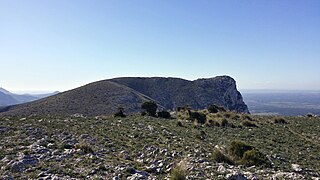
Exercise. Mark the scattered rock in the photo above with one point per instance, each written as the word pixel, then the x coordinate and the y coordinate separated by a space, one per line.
pixel 236 176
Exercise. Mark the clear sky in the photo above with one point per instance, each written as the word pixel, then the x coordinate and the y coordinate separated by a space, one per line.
pixel 63 44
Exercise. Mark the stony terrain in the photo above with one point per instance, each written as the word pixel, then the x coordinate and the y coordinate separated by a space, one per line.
pixel 142 147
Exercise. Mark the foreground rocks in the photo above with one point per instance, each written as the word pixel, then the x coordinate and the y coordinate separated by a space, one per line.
pixel 81 148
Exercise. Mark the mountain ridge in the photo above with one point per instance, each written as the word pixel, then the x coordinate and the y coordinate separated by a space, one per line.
pixel 105 96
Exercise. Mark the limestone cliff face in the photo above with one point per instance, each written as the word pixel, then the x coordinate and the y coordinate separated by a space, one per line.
pixel 199 94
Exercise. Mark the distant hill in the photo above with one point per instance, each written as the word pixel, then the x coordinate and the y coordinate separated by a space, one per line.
pixel 8 98
pixel 104 97
pixel 4 91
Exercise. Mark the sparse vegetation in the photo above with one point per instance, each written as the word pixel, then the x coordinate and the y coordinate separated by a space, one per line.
pixel 106 147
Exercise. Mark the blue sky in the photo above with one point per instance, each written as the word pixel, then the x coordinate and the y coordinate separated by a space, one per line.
pixel 60 45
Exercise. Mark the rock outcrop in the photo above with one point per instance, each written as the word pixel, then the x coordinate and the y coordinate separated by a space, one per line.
pixel 199 94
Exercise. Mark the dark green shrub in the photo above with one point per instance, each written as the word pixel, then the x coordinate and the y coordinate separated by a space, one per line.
pixel 179 123
pixel 247 117
pixel 213 123
pixel 200 117
pixel 67 146
pixel 164 114
pixel 228 114
pixel 219 157
pixel 216 124
pixel 238 148
pixel 310 115
pixel 213 109
pixel 279 120
pixel 254 157
pixel 224 123
pixel 150 107
pixel 119 113
pixel 248 124
pixel 85 148
pixel 235 116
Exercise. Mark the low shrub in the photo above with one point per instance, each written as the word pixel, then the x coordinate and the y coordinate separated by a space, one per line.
pixel 214 108
pixel 150 107
pixel 254 158
pixel 279 120
pixel 85 148
pixel 238 148
pixel 119 113
pixel 164 114
pixel 179 123
pixel 246 117
pixel 248 124
pixel 179 172
pixel 224 123
pixel 310 115
pixel 219 157
pixel 200 117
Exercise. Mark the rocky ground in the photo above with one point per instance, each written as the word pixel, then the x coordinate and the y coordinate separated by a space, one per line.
pixel 139 147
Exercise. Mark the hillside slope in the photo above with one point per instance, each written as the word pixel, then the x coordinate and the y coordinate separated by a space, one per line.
pixel 149 148
pixel 103 97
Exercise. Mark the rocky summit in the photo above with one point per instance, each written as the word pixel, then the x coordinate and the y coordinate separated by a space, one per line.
pixel 104 97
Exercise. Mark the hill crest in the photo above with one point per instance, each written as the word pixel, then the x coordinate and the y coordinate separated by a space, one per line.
pixel 104 97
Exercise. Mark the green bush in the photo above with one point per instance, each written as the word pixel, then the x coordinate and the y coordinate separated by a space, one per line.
pixel 219 157
pixel 179 172
pixel 164 114
pixel 246 117
pixel 279 120
pixel 85 148
pixel 248 124
pixel 150 107
pixel 224 123
pixel 119 113
pixel 254 157
pixel 213 109
pixel 238 148
pixel 179 123
pixel 200 117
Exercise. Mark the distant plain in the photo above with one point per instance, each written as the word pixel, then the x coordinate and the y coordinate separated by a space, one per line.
pixel 286 103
